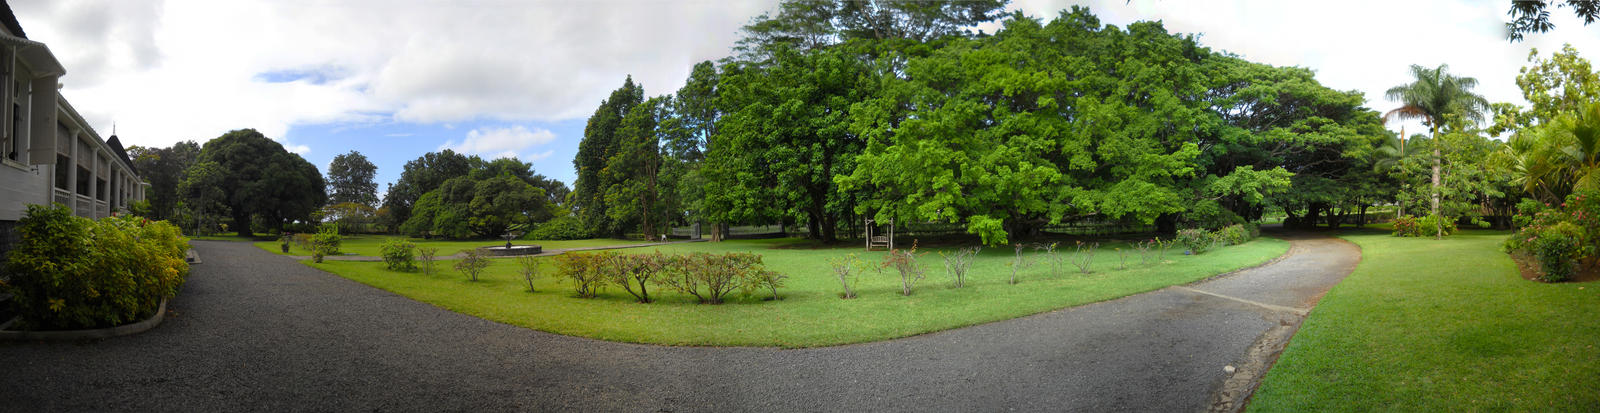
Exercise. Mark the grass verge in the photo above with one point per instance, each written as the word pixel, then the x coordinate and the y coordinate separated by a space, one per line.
pixel 1424 325
pixel 810 312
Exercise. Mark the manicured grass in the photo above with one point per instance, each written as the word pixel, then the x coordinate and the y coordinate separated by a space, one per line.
pixel 1424 325
pixel 810 312
pixel 371 245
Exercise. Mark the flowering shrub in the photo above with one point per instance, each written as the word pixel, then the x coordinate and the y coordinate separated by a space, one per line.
pixel 1559 236
pixel 70 272
pixel 1197 240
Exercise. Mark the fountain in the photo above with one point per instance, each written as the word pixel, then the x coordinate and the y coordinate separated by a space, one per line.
pixel 510 250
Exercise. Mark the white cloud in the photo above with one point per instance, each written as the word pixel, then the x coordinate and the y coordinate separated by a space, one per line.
pixel 298 149
pixel 500 142
pixel 170 70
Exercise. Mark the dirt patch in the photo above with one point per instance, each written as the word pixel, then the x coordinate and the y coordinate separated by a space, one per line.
pixel 1588 269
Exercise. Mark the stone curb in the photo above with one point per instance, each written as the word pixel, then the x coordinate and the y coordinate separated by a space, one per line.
pixel 95 334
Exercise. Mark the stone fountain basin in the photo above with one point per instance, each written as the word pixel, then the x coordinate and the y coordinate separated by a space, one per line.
pixel 502 251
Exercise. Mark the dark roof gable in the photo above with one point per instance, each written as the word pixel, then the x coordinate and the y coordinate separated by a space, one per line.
pixel 10 20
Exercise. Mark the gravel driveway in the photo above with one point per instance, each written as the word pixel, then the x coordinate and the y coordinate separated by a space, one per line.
pixel 256 331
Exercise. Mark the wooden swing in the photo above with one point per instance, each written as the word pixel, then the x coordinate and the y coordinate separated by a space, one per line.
pixel 887 242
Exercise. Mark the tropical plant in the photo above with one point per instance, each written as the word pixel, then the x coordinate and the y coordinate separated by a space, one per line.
pixel 1437 98
pixel 398 254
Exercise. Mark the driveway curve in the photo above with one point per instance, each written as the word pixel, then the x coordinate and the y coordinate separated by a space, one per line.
pixel 256 331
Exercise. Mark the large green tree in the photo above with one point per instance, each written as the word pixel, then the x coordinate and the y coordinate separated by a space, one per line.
pixel 463 207
pixel 1438 99
pixel 599 144
pixel 421 176
pixel 1533 16
pixel 262 180
pixel 163 169
pixel 350 179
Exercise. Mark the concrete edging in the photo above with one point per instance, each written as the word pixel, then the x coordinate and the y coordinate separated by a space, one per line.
pixel 94 334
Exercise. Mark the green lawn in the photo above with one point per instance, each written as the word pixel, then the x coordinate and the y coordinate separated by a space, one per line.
pixel 1426 325
pixel 370 245
pixel 810 312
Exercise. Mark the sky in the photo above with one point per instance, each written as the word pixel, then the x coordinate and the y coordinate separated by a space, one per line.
pixel 394 79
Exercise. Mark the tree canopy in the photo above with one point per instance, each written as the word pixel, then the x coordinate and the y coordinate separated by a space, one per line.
pixel 350 179
pixel 259 179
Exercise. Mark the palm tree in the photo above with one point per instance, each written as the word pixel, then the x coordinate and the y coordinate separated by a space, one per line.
pixel 1392 153
pixel 1436 98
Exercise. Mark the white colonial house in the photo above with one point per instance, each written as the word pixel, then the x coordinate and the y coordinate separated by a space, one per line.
pixel 48 152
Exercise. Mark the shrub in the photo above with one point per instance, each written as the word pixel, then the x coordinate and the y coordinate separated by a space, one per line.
pixel 326 242
pixel 1018 263
pixel 70 272
pixel 905 263
pixel 528 265
pixel 710 278
pixel 1147 251
pixel 633 270
pixel 563 228
pixel 471 263
pixel 1198 241
pixel 848 271
pixel 1558 248
pixel 1052 256
pixel 1084 256
pixel 1233 234
pixel 1422 227
pixel 428 256
pixel 957 263
pixel 584 271
pixel 399 254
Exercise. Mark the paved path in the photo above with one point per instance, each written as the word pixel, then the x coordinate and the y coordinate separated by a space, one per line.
pixel 257 331
pixel 542 253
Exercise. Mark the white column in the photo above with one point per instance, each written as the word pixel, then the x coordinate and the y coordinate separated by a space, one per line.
pixel 72 174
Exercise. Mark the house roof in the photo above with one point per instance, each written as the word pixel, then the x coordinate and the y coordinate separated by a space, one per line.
pixel 10 20
pixel 116 146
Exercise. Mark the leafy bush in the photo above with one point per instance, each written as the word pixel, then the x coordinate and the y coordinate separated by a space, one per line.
pixel 633 270
pixel 563 228
pixel 326 242
pixel 584 271
pixel 1422 227
pixel 1558 248
pixel 471 263
pixel 399 254
pixel 1197 240
pixel 1234 234
pixel 69 272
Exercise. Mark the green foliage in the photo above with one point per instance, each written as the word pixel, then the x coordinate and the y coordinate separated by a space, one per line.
pixel 600 143
pixel 69 272
pixel 585 270
pixel 1427 226
pixel 848 268
pixel 471 264
pixel 259 178
pixel 1196 240
pixel 462 208
pixel 1558 248
pixel 1234 234
pixel 399 254
pixel 1559 236
pixel 421 176
pixel 325 242
pixel 528 266
pixel 350 180
pixel 164 169
pixel 563 228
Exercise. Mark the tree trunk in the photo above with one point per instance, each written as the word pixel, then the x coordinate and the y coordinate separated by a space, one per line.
pixel 1438 223
pixel 1361 217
